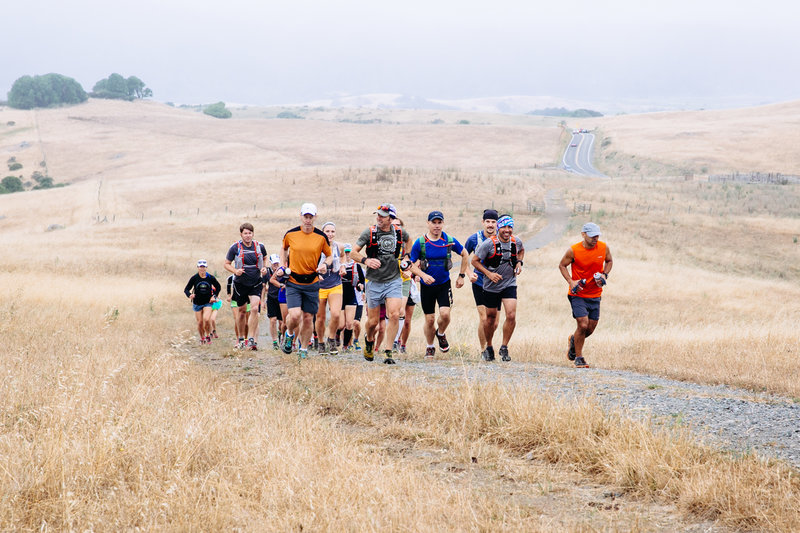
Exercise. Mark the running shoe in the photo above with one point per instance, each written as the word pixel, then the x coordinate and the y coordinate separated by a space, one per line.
pixel 571 350
pixel 242 343
pixel 430 351
pixel 214 334
pixel 580 362
pixel 444 346
pixel 274 345
pixel 504 353
pixel 356 345
pixel 402 348
pixel 252 344
pixel 319 346
pixel 332 348
pixel 369 345
pixel 302 354
pixel 387 358
pixel 208 339
pixel 488 354
pixel 396 346
pixel 288 342
pixel 202 340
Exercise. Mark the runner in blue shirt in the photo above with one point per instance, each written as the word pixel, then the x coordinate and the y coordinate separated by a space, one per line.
pixel 431 255
pixel 490 217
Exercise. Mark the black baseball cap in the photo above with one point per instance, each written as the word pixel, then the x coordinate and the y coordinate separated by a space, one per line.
pixel 490 214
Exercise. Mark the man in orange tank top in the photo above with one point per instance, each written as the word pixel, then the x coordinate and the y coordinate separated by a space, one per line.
pixel 591 263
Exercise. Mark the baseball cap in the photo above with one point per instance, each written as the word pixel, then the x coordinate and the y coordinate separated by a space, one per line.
pixel 490 214
pixel 433 215
pixel 384 210
pixel 274 258
pixel 591 229
pixel 308 209
pixel 202 263
pixel 392 211
pixel 348 247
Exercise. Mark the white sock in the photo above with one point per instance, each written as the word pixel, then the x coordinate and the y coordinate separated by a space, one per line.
pixel 400 324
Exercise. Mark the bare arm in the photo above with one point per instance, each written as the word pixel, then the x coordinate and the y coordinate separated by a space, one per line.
pixel 567 260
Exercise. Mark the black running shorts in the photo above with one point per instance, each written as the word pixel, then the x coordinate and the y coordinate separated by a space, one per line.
pixel 431 295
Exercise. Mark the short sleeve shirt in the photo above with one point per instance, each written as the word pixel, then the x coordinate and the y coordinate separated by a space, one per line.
pixel 252 275
pixel 472 243
pixel 504 269
pixel 389 269
pixel 436 256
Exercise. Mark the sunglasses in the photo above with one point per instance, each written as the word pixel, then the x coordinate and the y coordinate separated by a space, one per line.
pixel 384 208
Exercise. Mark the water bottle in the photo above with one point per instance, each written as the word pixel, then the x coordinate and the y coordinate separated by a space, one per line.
pixel 598 279
pixel 577 288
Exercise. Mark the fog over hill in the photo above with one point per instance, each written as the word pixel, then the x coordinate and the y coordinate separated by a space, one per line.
pixel 521 104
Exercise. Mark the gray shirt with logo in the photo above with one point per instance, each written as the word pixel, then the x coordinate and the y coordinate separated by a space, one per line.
pixel 386 240
pixel 484 250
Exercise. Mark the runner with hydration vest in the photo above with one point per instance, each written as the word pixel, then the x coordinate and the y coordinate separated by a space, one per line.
pixel 245 260
pixel 202 289
pixel 490 217
pixel 382 246
pixel 499 259
pixel 431 256
pixel 330 294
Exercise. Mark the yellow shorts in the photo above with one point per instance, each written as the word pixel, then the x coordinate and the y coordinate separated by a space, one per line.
pixel 323 293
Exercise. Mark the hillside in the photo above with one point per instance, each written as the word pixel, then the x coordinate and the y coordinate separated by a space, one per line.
pixel 757 139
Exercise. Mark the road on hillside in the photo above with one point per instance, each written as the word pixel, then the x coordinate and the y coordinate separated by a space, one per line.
pixel 578 155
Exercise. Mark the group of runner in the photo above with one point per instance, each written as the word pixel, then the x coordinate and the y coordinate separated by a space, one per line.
pixel 315 279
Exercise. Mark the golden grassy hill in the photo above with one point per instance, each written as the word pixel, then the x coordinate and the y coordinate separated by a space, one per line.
pixel 757 139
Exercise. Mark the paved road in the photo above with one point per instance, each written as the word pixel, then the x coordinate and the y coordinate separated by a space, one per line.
pixel 578 156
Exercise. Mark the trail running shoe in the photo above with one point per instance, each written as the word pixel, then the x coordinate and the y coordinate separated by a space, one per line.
pixel 444 346
pixel 202 340
pixel 302 354
pixel 356 345
pixel 252 344
pixel 288 341
pixel 242 343
pixel 369 355
pixel 504 353
pixel 387 358
pixel 571 350
pixel 332 348
pixel 214 334
pixel 396 346
pixel 488 354
pixel 430 351
pixel 274 345
pixel 402 348
pixel 580 362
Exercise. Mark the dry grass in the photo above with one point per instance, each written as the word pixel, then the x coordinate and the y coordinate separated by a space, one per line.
pixel 106 425
pixel 757 139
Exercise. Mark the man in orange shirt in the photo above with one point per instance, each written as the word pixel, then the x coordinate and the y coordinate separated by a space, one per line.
pixel 302 249
pixel 591 263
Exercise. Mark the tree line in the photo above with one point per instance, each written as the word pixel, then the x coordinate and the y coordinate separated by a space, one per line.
pixel 53 90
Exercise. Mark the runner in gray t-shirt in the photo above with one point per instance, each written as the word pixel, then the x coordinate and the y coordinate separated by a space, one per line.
pixel 379 248
pixel 499 258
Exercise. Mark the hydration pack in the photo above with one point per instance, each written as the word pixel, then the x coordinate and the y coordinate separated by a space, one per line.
pixel 496 258
pixel 239 260
pixel 373 247
pixel 424 263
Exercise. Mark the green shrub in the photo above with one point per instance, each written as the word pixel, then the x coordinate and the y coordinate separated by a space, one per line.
pixel 12 184
pixel 14 166
pixel 217 110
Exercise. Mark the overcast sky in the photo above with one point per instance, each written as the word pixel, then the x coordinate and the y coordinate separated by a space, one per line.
pixel 293 51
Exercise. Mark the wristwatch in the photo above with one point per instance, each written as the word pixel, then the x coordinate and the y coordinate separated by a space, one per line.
pixel 461 275
pixel 520 263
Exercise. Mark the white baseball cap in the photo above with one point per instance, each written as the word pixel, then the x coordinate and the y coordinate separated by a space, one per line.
pixel 308 209
pixel 202 263
pixel 591 229
pixel 274 258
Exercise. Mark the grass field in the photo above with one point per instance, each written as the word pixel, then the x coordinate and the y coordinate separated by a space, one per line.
pixel 108 425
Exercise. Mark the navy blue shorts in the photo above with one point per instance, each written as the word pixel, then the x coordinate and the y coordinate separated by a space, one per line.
pixel 477 294
pixel 430 295
pixel 585 307
pixel 494 299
